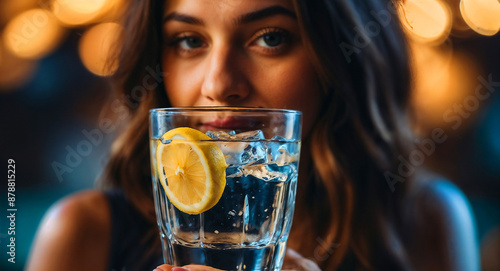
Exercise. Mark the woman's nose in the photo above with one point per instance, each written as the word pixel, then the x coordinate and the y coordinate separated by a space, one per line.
pixel 224 80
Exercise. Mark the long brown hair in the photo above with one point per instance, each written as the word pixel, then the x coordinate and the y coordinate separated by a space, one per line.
pixel 361 56
pixel 138 55
pixel 346 215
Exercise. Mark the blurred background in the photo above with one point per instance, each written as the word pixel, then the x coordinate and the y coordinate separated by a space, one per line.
pixel 53 88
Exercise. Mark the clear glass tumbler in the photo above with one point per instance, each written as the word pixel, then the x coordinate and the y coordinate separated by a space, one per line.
pixel 248 227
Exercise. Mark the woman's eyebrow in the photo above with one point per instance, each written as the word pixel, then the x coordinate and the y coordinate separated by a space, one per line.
pixel 243 19
pixel 264 13
pixel 174 16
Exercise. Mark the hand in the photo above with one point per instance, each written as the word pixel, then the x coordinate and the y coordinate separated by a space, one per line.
pixel 191 267
pixel 293 262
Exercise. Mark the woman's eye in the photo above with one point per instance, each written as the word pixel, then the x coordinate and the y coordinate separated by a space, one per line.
pixel 190 43
pixel 271 39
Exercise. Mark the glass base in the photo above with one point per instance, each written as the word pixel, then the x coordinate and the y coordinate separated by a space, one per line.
pixel 269 258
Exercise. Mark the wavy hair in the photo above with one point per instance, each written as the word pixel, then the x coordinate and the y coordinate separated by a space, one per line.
pixel 361 58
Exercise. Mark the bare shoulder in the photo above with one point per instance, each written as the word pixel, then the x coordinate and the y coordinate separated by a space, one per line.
pixel 444 228
pixel 441 198
pixel 74 234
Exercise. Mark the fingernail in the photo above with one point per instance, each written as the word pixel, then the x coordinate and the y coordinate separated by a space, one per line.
pixel 180 269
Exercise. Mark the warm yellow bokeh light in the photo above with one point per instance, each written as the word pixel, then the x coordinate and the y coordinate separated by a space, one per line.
pixel 9 9
pixel 442 78
pixel 32 34
pixel 426 20
pixel 81 12
pixel 483 16
pixel 14 71
pixel 97 46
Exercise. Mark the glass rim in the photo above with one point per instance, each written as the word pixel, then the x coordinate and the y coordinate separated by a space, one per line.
pixel 184 109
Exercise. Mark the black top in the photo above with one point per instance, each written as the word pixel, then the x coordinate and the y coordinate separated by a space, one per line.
pixel 128 228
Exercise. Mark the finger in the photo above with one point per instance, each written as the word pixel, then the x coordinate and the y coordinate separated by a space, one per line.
pixel 164 267
pixel 295 261
pixel 292 254
pixel 195 267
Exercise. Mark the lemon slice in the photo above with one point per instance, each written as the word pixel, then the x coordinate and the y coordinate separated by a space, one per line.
pixel 192 170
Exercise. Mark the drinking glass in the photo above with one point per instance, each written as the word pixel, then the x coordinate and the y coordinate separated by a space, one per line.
pixel 247 229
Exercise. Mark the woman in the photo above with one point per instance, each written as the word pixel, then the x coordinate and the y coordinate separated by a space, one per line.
pixel 344 64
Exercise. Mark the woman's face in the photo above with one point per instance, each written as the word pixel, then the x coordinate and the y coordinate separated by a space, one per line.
pixel 238 53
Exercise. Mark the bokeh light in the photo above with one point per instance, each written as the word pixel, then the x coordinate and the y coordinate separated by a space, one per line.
pixel 443 78
pixel 9 9
pixel 80 12
pixel 426 20
pixel 483 16
pixel 14 71
pixel 97 46
pixel 32 34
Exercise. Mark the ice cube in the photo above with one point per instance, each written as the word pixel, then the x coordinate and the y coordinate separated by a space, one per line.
pixel 249 135
pixel 281 151
pixel 283 157
pixel 220 134
pixel 229 149
pixel 280 139
pixel 242 148
pixel 260 171
pixel 254 152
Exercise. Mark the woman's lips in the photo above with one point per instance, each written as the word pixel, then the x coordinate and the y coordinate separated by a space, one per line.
pixel 232 123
